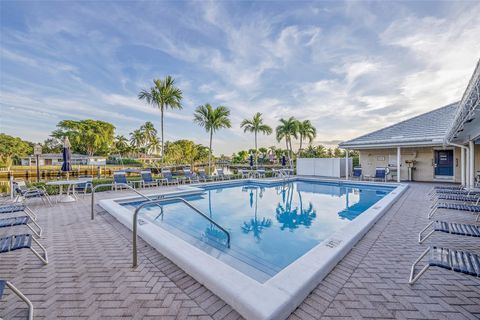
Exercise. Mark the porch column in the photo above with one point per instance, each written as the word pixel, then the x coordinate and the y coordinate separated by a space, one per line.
pixel 472 164
pixel 398 164
pixel 462 166
pixel 346 164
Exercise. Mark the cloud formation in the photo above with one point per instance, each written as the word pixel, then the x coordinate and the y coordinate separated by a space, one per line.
pixel 350 67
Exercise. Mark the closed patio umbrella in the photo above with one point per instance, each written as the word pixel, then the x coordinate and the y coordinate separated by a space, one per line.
pixel 284 161
pixel 67 155
pixel 251 160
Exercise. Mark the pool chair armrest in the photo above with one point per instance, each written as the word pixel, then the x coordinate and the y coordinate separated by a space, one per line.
pixel 19 294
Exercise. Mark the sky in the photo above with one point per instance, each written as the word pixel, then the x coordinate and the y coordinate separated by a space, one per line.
pixel 349 67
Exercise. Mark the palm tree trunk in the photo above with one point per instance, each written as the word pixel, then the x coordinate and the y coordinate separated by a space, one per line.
pixel 161 125
pixel 301 140
pixel 286 143
pixel 210 154
pixel 256 151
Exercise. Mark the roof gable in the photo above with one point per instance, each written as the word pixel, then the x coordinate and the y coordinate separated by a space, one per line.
pixel 430 127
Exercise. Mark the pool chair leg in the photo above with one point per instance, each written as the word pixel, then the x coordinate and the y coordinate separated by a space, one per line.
pixel 432 212
pixel 23 297
pixel 413 278
pixel 44 259
pixel 29 212
pixel 37 233
pixel 420 239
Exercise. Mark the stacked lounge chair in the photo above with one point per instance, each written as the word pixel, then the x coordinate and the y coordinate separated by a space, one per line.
pixel 447 258
pixel 24 193
pixel 20 241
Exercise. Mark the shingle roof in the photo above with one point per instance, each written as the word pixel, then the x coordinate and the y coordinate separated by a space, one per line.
pixel 428 128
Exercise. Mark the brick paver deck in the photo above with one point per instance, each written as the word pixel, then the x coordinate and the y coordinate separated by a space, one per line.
pixel 90 276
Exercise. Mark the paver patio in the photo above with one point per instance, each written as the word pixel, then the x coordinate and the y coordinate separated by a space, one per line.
pixel 90 276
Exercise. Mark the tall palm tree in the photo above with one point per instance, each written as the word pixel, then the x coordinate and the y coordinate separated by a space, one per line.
pixel 306 131
pixel 286 130
pixel 256 125
pixel 212 119
pixel 163 95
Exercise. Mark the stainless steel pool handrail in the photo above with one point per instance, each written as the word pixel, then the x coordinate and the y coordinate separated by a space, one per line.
pixel 135 216
pixel 112 185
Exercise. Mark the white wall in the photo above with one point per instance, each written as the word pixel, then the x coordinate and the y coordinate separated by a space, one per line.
pixel 325 167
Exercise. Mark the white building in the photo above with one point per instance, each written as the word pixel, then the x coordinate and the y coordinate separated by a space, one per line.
pixel 56 159
pixel 442 145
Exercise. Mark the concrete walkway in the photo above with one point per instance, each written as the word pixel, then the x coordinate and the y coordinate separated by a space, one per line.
pixel 90 276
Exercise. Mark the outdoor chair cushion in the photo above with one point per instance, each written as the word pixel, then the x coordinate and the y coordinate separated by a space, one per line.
pixel 9 208
pixel 458 206
pixel 15 242
pixel 16 221
pixel 459 261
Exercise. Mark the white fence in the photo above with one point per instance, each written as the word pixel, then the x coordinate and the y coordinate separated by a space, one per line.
pixel 325 167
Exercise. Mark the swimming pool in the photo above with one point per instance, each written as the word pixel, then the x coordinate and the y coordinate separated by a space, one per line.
pixel 270 225
pixel 285 235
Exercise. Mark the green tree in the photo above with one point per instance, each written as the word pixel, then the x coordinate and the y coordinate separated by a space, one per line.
pixel 212 119
pixel 12 149
pixel 137 140
pixel 287 129
pixel 87 136
pixel 306 131
pixel 150 139
pixel 121 145
pixel 163 95
pixel 256 125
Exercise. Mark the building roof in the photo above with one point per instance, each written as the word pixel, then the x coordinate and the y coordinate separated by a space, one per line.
pixel 466 123
pixel 426 129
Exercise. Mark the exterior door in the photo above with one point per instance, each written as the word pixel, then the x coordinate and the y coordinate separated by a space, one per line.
pixel 444 163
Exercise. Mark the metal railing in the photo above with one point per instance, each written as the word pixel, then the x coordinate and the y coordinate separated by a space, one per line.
pixel 135 216
pixel 113 185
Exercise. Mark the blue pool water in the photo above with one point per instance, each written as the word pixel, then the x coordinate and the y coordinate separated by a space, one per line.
pixel 270 225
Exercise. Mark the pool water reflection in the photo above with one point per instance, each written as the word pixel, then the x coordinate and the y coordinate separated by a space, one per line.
pixel 270 226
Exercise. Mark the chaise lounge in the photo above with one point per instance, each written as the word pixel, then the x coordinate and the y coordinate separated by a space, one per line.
pixel 450 259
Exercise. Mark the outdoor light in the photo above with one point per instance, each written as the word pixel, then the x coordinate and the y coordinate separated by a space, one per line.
pixel 37 151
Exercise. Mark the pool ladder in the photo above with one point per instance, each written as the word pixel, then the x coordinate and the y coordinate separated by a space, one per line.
pixel 157 202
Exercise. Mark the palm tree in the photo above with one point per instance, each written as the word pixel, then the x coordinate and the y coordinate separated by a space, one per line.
pixel 137 139
pixel 163 95
pixel 149 134
pixel 153 145
pixel 212 120
pixel 286 130
pixel 121 144
pixel 256 125
pixel 306 131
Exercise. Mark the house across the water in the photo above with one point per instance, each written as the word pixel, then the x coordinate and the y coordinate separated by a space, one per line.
pixel 440 145
pixel 56 159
